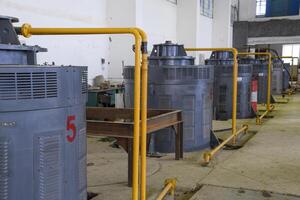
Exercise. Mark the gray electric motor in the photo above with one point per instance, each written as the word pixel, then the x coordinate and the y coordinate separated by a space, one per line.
pixel 277 77
pixel 286 76
pixel 42 129
pixel 260 73
pixel 223 64
pixel 176 83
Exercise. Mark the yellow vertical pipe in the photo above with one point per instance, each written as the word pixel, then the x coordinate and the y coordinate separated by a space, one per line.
pixel 269 82
pixel 136 118
pixel 234 93
pixel 26 30
pixel 143 188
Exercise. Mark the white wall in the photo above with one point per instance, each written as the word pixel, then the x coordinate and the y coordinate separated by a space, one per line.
pixel 187 22
pixel 157 18
pixel 247 10
pixel 120 14
pixel 196 30
pixel 72 50
pixel 159 21
pixel 193 29
pixel 222 28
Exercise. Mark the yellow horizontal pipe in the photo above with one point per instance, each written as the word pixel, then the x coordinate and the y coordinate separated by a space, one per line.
pixel 26 30
pixel 207 156
pixel 259 118
pixel 165 191
pixel 170 185
pixel 291 57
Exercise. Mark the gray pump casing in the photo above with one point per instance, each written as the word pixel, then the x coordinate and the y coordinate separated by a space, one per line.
pixel 37 160
pixel 260 73
pixel 286 76
pixel 176 83
pixel 223 65
pixel 277 77
pixel 42 124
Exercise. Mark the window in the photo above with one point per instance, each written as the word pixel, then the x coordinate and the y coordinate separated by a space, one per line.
pixel 291 50
pixel 206 8
pixel 261 8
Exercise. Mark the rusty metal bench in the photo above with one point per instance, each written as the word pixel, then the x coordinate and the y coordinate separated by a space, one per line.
pixel 118 123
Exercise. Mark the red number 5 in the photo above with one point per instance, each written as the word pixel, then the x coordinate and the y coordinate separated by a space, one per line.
pixel 71 126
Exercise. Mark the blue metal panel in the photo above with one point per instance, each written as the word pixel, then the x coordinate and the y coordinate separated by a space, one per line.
pixel 282 8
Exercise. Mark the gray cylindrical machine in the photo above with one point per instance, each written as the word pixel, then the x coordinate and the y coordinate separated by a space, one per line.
pixel 176 83
pixel 260 73
pixel 286 76
pixel 223 87
pixel 42 131
pixel 277 77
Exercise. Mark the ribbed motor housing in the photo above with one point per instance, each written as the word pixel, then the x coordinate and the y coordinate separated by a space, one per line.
pixel 286 76
pixel 277 77
pixel 42 132
pixel 222 104
pixel 176 83
pixel 260 73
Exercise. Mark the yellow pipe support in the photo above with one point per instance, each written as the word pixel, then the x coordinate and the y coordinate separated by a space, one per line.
pixel 170 185
pixel 234 81
pixel 207 156
pixel 269 55
pixel 26 30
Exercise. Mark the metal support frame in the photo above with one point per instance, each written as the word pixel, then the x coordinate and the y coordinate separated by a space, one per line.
pixel 170 185
pixel 207 156
pixel 269 107
pixel 140 102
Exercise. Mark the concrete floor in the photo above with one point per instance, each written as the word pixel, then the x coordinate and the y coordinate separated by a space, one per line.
pixel 267 167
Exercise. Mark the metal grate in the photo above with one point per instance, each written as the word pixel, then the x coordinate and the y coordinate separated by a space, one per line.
pixel 35 85
pixel 4 170
pixel 49 168
pixel 187 73
pixel 84 81
pixel 7 86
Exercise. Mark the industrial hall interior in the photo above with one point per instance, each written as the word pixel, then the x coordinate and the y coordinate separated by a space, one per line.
pixel 150 100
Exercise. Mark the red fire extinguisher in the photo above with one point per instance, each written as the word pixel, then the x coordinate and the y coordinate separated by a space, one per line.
pixel 254 95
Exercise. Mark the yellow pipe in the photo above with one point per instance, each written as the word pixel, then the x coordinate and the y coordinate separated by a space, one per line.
pixel 26 30
pixel 269 55
pixel 143 186
pixel 234 80
pixel 259 118
pixel 170 185
pixel 207 156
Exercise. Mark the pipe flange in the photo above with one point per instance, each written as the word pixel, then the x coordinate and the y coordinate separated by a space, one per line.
pixel 25 30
